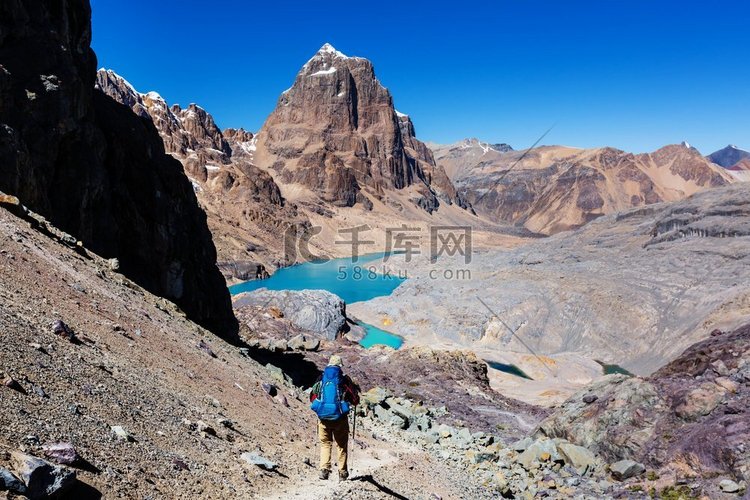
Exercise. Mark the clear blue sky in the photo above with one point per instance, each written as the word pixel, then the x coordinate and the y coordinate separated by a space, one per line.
pixel 632 74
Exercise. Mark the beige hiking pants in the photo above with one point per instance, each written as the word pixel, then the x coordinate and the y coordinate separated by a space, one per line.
pixel 328 432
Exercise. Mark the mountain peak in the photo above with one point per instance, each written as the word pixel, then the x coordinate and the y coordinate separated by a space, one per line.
pixel 729 156
pixel 330 49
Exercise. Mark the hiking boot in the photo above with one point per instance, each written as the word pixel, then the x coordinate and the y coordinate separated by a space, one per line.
pixel 324 473
pixel 343 475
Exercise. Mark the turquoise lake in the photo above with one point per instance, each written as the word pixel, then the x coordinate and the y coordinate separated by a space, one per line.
pixel 352 281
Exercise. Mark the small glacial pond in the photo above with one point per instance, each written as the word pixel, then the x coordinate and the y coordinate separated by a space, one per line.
pixel 508 368
pixel 609 369
pixel 352 281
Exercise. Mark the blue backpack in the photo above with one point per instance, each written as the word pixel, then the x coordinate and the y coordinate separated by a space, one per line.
pixel 329 405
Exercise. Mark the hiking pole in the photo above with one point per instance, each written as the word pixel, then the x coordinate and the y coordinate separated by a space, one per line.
pixel 354 433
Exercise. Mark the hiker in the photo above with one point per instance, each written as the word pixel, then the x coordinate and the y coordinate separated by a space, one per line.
pixel 332 397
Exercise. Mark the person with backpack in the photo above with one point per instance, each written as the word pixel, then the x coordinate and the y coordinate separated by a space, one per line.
pixel 332 397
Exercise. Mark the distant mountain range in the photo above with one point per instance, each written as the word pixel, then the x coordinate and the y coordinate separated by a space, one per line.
pixel 555 188
pixel 335 151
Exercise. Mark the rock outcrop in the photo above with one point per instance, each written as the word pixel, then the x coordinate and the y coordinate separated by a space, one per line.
pixel 316 311
pixel 555 188
pixel 337 133
pixel 94 168
pixel 690 417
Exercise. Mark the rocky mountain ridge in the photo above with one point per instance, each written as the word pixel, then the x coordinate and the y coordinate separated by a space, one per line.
pixel 554 188
pixel 245 208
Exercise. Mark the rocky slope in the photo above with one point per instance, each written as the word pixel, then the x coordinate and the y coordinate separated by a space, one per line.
pixel 336 133
pixel 121 394
pixel 246 213
pixel 555 188
pixel 94 168
pixel 689 420
pixel 633 289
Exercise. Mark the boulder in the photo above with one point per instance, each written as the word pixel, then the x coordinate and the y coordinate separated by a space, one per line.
pixel 541 450
pixel 42 479
pixel 577 456
pixel 317 311
pixel 279 345
pixel 729 486
pixel 390 418
pixel 625 469
pixel 296 343
pixel 9 482
pixel 9 201
pixel 462 439
pixel 62 453
pixel 700 401
pixel 278 374
pixel 259 461
pixel 374 396
pixel 311 344
pixel 61 329
pixel 522 444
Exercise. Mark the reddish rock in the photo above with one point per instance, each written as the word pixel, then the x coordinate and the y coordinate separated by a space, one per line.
pixel 62 453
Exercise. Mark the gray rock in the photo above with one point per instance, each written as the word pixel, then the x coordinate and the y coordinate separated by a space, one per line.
pixel 278 375
pixel 296 343
pixel 256 459
pixel 590 398
pixel 204 428
pixel 431 438
pixel 311 344
pixel 625 469
pixel 389 417
pixel 729 486
pixel 280 345
pixel 522 444
pixel 9 482
pixel 577 456
pixel 42 479
pixel 541 450
pixel 314 310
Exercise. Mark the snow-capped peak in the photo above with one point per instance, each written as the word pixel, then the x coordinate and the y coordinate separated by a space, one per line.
pixel 116 76
pixel 685 144
pixel 400 114
pixel 154 96
pixel 327 48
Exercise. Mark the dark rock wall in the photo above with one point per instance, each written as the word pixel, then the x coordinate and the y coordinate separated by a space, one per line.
pixel 93 167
